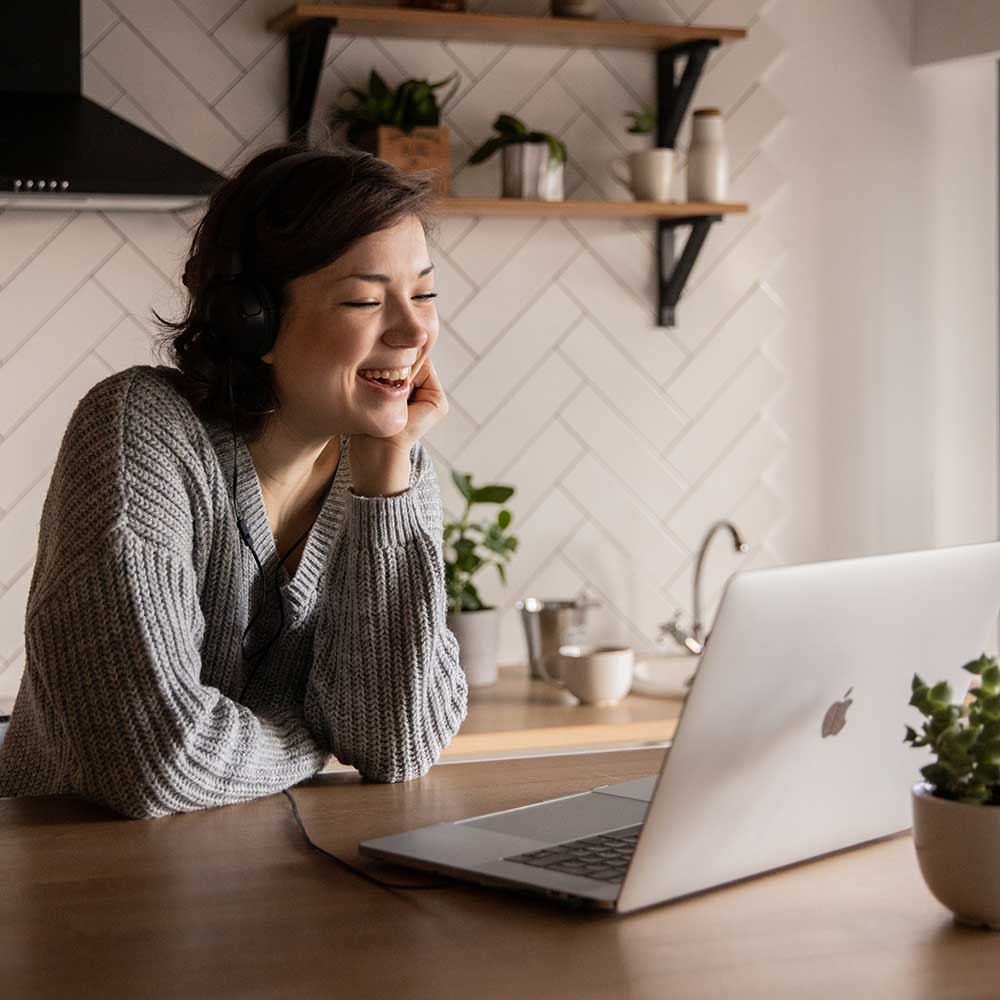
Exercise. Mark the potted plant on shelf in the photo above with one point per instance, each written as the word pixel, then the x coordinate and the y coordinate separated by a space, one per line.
pixel 956 809
pixel 469 546
pixel 650 171
pixel 532 160
pixel 401 125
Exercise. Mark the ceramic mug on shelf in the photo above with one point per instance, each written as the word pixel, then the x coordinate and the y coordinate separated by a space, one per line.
pixel 597 675
pixel 650 173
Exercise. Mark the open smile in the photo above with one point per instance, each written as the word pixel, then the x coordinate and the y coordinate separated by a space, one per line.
pixel 392 383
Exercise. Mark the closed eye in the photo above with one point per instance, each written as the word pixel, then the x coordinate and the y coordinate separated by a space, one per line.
pixel 426 296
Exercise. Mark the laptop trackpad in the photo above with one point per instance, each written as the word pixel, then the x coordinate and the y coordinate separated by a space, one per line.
pixel 565 819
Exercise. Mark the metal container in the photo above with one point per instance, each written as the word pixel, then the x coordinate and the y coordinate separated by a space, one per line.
pixel 530 172
pixel 549 625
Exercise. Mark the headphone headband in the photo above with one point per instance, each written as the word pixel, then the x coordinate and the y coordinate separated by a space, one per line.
pixel 236 227
pixel 240 309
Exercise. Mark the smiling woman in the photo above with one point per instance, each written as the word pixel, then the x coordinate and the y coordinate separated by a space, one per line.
pixel 303 369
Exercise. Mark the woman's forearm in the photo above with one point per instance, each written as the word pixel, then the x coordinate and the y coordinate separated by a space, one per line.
pixel 387 693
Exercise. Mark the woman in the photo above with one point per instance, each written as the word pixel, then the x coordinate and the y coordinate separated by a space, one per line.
pixel 140 689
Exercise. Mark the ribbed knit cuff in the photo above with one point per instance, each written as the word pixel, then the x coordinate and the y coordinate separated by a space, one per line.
pixel 383 521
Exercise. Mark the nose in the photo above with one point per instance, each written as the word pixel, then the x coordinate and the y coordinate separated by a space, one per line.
pixel 407 330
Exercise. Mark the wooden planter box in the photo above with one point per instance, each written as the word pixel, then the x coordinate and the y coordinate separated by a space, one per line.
pixel 421 149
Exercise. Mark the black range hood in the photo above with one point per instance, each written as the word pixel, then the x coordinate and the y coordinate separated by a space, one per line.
pixel 59 149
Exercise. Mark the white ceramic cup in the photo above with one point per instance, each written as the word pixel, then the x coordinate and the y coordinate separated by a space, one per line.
pixel 597 675
pixel 650 172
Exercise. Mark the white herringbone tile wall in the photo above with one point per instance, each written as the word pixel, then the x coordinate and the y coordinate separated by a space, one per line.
pixel 624 440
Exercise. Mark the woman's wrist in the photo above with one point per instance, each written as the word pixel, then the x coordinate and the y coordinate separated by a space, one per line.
pixel 379 471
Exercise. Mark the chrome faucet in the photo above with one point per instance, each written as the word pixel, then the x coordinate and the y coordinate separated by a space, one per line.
pixel 693 641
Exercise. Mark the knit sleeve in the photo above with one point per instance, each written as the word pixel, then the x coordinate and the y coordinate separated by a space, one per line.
pixel 113 645
pixel 386 692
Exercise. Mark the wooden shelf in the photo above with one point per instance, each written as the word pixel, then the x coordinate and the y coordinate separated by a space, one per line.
pixel 409 22
pixel 585 209
pixel 308 26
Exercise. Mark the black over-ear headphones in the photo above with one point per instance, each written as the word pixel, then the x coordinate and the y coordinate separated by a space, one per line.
pixel 240 310
pixel 242 320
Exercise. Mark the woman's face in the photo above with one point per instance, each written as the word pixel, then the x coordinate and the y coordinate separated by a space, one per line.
pixel 370 310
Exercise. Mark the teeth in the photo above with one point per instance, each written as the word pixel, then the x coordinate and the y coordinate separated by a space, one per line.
pixel 395 374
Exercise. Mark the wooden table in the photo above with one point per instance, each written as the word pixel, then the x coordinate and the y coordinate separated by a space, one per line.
pixel 231 902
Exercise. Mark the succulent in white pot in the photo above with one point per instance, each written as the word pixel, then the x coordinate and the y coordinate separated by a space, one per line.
pixel 956 809
pixel 470 546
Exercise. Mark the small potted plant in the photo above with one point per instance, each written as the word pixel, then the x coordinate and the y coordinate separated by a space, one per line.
pixel 532 161
pixel 956 809
pixel 650 171
pixel 469 546
pixel 401 125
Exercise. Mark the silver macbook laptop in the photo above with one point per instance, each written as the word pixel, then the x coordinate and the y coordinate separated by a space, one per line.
pixel 790 744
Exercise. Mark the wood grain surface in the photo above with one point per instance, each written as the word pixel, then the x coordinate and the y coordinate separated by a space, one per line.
pixel 231 902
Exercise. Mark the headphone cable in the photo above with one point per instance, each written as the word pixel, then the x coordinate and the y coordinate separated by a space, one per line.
pixel 359 871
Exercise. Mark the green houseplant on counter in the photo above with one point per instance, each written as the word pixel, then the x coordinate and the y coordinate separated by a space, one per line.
pixel 956 809
pixel 401 125
pixel 532 161
pixel 470 546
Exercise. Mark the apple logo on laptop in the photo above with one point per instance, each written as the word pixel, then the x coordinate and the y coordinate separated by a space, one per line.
pixel 836 715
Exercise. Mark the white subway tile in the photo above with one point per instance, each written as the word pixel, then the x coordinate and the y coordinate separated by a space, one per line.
pixel 182 42
pixel 53 351
pixel 509 431
pixel 622 383
pixel 494 376
pixel 33 445
pixel 607 500
pixel 35 292
pixel 725 419
pixel 623 450
pixel 19 533
pixel 518 282
pixel 126 345
pixel 161 93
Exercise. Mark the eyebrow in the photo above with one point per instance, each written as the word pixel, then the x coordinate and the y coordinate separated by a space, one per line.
pixel 384 277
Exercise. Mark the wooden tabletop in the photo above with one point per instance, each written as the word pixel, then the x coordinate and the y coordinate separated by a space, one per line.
pixel 231 902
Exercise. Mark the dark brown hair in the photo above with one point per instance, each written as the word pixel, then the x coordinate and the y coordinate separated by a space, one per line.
pixel 332 202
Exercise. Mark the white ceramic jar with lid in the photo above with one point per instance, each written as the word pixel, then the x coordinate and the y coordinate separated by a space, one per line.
pixel 708 158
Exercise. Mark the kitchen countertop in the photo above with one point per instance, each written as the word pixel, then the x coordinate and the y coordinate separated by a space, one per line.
pixel 519 716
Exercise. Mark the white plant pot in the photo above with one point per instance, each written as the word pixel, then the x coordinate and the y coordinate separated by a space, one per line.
pixel 477 633
pixel 958 849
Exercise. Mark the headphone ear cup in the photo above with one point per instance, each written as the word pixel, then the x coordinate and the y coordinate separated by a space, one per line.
pixel 261 317
pixel 241 317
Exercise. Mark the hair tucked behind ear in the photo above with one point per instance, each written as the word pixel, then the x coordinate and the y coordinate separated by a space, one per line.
pixel 301 227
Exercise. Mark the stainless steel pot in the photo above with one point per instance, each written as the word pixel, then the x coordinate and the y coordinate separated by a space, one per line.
pixel 549 624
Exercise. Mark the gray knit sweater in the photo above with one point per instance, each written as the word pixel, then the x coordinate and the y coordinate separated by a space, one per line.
pixel 140 594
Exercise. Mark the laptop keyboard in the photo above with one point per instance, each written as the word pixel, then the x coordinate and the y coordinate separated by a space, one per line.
pixel 605 856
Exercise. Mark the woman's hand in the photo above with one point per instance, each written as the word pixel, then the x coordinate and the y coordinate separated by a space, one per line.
pixel 381 466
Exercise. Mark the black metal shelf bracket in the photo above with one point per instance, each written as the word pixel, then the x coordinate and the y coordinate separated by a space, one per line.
pixel 306 48
pixel 672 100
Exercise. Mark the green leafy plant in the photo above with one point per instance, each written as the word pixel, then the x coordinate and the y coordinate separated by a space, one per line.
pixel 510 130
pixel 471 545
pixel 964 738
pixel 412 104
pixel 643 122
